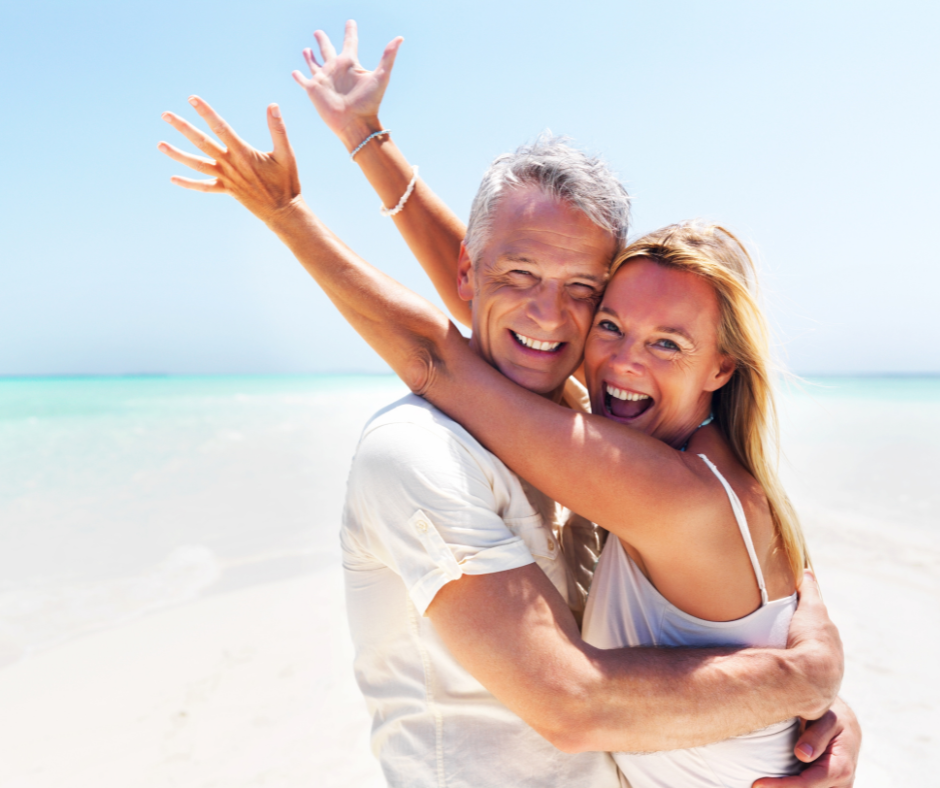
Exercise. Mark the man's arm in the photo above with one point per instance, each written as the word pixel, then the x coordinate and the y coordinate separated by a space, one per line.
pixel 347 98
pixel 514 633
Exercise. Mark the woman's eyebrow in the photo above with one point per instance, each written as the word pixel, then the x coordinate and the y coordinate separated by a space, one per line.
pixel 677 331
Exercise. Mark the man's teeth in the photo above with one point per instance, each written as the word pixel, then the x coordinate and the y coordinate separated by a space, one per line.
pixel 536 344
pixel 627 395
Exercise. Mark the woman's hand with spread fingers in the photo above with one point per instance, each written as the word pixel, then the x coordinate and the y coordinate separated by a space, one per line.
pixel 265 183
pixel 346 95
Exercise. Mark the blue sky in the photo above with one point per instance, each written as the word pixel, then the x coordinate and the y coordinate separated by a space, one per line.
pixel 809 128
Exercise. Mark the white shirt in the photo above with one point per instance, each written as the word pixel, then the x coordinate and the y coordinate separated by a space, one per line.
pixel 426 504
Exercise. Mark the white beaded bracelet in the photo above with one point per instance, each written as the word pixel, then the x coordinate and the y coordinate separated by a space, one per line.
pixel 404 198
pixel 365 142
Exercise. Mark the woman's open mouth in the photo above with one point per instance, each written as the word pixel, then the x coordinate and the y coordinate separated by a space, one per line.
pixel 625 404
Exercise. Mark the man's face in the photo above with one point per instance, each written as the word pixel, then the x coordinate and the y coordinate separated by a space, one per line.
pixel 534 288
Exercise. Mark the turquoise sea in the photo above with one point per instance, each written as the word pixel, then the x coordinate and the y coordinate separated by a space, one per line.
pixel 120 496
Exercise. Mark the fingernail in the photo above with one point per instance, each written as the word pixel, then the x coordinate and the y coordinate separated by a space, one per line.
pixel 805 750
pixel 275 111
pixel 193 100
pixel 166 116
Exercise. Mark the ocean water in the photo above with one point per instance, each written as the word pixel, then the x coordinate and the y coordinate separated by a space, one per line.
pixel 121 496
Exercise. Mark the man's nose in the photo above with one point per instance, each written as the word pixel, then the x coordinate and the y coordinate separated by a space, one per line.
pixel 547 307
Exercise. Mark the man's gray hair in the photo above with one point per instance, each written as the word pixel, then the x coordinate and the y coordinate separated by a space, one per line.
pixel 562 172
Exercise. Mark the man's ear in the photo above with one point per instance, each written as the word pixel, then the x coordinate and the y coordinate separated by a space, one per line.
pixel 465 287
pixel 722 375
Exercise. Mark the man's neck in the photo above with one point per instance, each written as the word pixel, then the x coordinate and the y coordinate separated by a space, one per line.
pixel 556 395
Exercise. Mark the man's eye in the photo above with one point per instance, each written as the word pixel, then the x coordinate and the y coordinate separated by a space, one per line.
pixel 666 344
pixel 580 290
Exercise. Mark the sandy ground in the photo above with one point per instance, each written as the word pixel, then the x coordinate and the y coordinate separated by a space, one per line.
pixel 249 688
pixel 255 687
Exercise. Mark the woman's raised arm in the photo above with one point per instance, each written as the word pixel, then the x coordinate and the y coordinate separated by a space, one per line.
pixel 590 464
pixel 347 98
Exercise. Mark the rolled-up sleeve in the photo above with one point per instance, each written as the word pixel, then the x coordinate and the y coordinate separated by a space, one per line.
pixel 421 504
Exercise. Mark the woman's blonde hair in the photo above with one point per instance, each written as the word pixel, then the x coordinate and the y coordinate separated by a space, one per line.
pixel 744 407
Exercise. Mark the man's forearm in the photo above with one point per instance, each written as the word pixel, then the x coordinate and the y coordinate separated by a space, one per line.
pixel 514 633
pixel 646 699
pixel 432 231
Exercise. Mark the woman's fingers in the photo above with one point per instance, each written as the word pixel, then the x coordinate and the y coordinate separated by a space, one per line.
pixel 311 61
pixel 217 125
pixel 351 39
pixel 212 185
pixel 389 55
pixel 282 149
pixel 326 47
pixel 301 80
pixel 199 164
pixel 200 139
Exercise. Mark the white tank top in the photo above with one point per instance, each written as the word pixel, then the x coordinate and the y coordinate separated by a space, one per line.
pixel 625 609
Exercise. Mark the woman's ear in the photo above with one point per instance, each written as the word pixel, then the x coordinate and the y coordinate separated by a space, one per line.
pixel 722 374
pixel 465 288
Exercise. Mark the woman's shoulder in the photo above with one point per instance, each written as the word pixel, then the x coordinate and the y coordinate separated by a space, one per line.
pixel 756 509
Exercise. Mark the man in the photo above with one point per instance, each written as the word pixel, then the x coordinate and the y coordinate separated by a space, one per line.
pixel 461 546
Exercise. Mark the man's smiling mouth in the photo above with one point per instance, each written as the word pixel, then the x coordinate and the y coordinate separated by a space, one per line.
pixel 536 344
pixel 625 404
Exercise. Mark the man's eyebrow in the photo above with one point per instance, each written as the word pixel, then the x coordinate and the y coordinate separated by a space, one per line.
pixel 516 258
pixel 521 258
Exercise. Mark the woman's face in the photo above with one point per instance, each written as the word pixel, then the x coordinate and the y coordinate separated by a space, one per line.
pixel 651 358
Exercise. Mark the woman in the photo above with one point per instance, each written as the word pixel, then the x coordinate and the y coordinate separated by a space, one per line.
pixel 704 532
pixel 661 285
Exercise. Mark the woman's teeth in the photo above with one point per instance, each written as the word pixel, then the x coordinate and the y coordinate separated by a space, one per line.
pixel 626 395
pixel 536 344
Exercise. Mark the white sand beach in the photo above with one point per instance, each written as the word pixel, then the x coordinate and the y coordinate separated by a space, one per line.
pixel 248 682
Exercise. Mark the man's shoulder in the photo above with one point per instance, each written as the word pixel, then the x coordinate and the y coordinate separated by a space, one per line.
pixel 411 438
pixel 412 414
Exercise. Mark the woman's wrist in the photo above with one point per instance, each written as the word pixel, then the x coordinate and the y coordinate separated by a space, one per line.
pixel 357 130
pixel 285 219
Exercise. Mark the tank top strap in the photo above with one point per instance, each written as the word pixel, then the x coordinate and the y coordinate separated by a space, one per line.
pixel 742 526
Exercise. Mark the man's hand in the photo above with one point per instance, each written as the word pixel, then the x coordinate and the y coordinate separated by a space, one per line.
pixel 265 183
pixel 815 644
pixel 830 745
pixel 347 96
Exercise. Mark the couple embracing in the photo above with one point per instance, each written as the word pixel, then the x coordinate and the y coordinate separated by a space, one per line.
pixel 569 560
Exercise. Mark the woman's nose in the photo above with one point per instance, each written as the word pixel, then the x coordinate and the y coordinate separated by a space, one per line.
pixel 628 358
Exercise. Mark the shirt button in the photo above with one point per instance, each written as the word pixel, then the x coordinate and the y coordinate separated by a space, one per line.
pixel 551 545
pixel 421 525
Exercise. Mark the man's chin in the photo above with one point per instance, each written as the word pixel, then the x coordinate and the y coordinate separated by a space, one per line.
pixel 538 382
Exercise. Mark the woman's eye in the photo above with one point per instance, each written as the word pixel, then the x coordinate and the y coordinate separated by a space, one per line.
pixel 606 325
pixel 666 344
